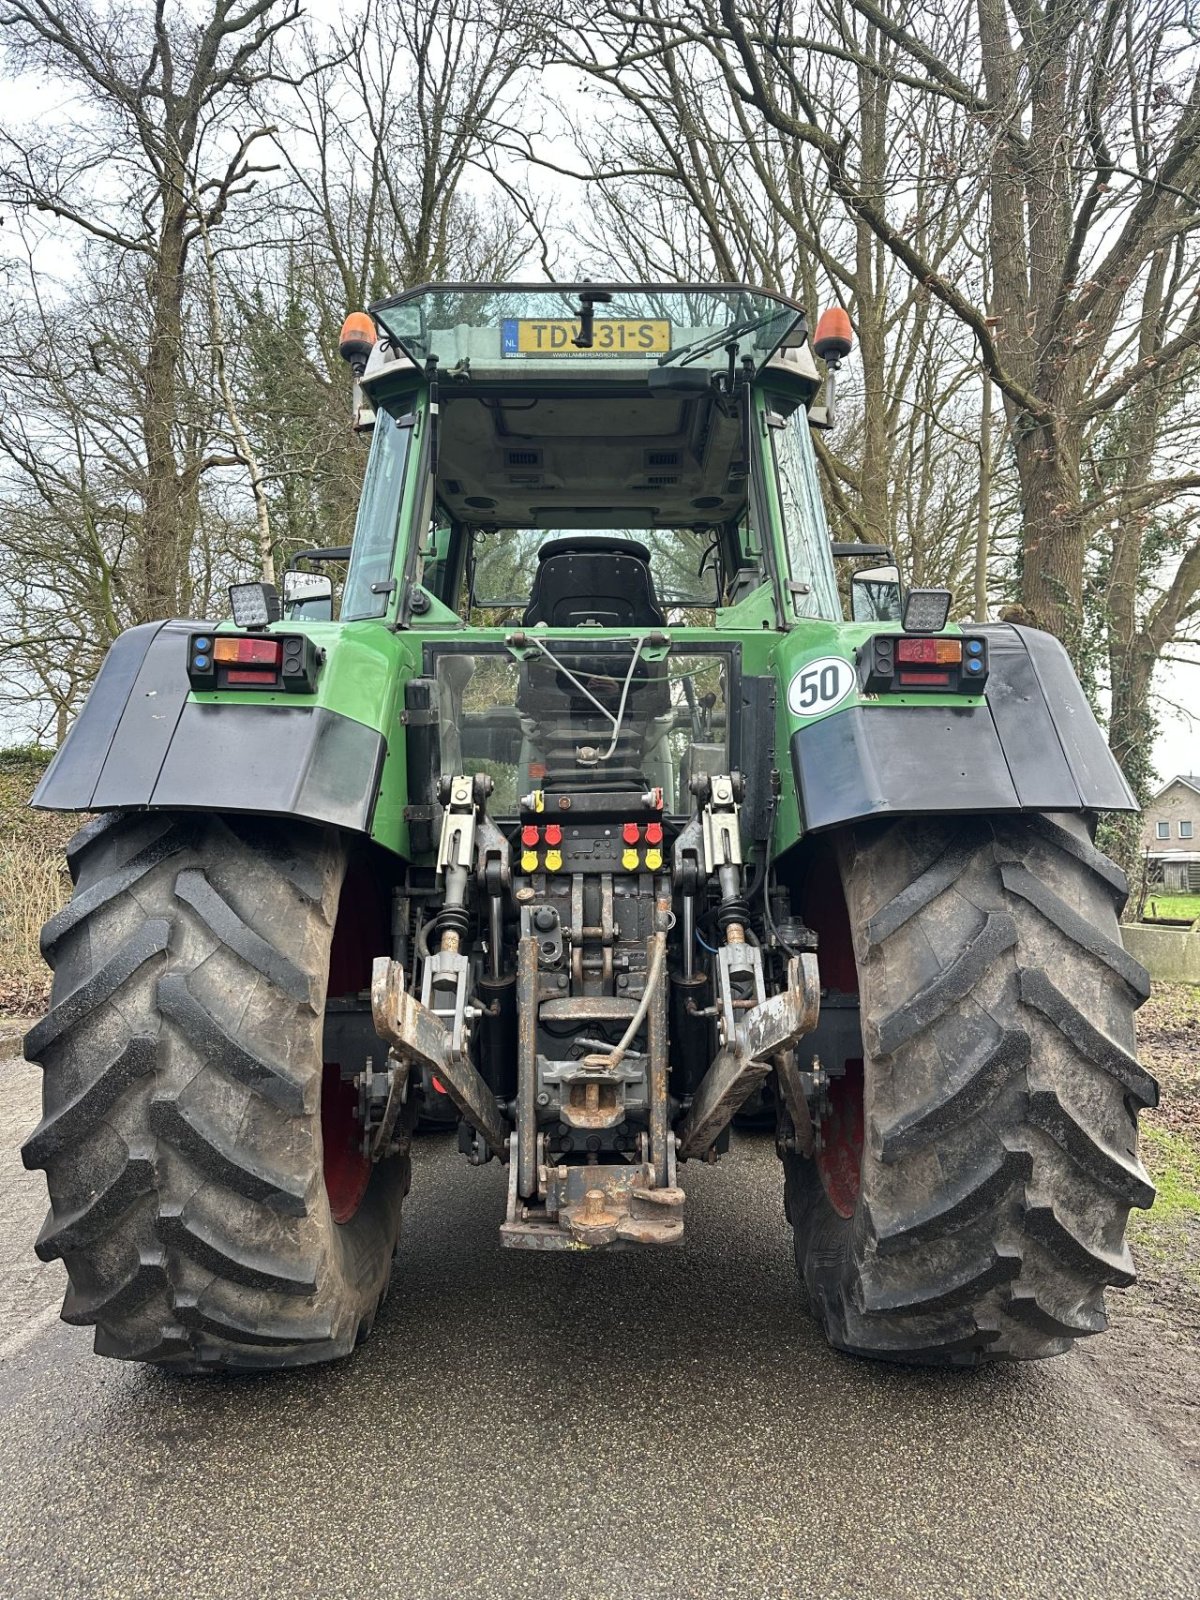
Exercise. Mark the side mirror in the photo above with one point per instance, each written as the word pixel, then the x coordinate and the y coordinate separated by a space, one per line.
pixel 875 595
pixel 307 594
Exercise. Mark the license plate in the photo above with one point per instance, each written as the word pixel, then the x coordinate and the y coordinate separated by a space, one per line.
pixel 611 336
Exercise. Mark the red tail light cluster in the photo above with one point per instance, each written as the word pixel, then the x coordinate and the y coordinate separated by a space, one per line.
pixel 288 661
pixel 929 652
pixel 899 663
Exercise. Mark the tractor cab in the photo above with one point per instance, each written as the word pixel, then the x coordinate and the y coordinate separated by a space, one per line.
pixel 611 480
pixel 599 435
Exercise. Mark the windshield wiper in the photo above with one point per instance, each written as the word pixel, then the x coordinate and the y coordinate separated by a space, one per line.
pixel 717 341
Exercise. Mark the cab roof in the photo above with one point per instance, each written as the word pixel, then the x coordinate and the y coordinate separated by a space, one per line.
pixel 514 332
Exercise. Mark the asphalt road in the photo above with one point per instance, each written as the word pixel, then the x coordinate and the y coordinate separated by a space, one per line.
pixel 621 1428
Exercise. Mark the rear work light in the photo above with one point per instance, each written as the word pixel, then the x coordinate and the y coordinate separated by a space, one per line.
pixel 899 664
pixel 289 662
pixel 254 605
pixel 926 610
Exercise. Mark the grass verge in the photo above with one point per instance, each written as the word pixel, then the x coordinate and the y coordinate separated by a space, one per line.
pixel 33 881
pixel 1171 907
pixel 1169 1045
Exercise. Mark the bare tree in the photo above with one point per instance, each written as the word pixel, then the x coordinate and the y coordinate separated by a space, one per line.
pixel 244 446
pixel 381 146
pixel 158 148
pixel 383 133
pixel 187 241
pixel 1084 153
pixel 685 180
pixel 1064 142
pixel 72 474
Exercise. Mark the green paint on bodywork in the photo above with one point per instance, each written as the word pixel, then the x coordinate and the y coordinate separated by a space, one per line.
pixel 809 641
pixel 756 612
pixel 437 614
pixel 366 664
pixel 362 677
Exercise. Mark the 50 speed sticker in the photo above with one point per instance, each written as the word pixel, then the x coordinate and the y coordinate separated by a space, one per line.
pixel 820 686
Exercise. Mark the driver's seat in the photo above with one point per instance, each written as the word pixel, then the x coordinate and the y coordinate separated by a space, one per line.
pixel 594 579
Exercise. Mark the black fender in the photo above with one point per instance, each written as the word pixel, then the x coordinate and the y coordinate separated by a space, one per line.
pixel 141 744
pixel 1034 745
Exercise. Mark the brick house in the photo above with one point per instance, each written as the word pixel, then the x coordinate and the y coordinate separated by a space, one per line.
pixel 1171 834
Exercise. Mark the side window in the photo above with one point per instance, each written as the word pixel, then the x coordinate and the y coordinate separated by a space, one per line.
pixel 437 564
pixel 367 592
pixel 1185 830
pixel 806 532
pixel 742 557
pixel 1162 830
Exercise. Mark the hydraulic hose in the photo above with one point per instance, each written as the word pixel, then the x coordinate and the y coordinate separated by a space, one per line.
pixel 619 719
pixel 657 962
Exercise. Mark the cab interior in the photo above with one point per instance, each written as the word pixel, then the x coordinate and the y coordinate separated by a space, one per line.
pixel 621 509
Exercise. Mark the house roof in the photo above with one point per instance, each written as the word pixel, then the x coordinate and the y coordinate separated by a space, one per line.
pixel 1191 779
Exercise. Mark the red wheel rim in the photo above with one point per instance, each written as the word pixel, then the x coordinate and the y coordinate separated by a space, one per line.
pixel 839 1160
pixel 361 932
pixel 347 1170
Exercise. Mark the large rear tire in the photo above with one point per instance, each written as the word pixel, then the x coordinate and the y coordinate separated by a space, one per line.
pixel 975 1171
pixel 205 1217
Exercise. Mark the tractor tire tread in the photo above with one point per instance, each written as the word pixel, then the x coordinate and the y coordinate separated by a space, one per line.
pixel 182 1068
pixel 1000 1116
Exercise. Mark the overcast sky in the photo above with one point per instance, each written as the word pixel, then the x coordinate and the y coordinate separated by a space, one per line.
pixel 1177 748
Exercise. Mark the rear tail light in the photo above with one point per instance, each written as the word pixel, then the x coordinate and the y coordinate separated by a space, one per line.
pixel 248 652
pixel 924 680
pixel 288 662
pixel 899 664
pixel 934 652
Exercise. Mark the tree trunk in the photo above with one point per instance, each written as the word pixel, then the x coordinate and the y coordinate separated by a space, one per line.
pixel 871 303
pixel 164 540
pixel 983 521
pixel 1055 534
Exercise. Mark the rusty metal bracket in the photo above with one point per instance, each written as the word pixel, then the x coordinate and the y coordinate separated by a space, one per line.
pixel 456 847
pixel 591 1207
pixel 418 1037
pixel 773 1026
pixel 398 1089
pixel 527 1017
pixel 738 967
pixel 386 1109
pixel 719 823
pixel 795 1103
pixel 658 1072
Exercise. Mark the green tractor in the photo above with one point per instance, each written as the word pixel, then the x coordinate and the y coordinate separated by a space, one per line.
pixel 588 820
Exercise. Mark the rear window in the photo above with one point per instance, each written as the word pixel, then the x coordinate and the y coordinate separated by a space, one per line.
pixel 683 562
